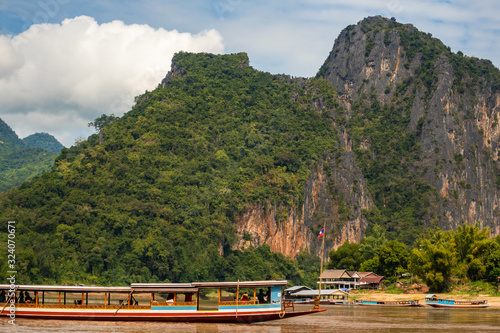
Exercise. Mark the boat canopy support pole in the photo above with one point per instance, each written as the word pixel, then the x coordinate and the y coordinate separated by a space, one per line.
pixel 237 296
pixel 8 299
pixel 123 303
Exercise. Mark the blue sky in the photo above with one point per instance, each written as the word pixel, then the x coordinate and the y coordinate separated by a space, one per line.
pixel 65 62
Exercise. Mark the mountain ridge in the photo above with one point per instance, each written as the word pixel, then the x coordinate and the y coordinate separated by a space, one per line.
pixel 167 181
pixel 223 171
pixel 448 102
pixel 23 159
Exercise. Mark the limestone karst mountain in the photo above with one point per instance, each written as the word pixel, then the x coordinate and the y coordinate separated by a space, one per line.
pixel 441 106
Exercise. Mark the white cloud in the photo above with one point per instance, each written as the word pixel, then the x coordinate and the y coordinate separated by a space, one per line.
pixel 9 60
pixel 84 69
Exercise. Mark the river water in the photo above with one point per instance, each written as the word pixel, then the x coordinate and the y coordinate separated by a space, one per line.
pixel 336 319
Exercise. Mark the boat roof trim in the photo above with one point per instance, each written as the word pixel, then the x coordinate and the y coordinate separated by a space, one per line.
pixel 161 285
pixel 67 288
pixel 233 284
pixel 99 289
pixel 165 290
pixel 150 287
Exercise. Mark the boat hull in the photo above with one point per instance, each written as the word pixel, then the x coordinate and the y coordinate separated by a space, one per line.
pixel 205 317
pixel 389 303
pixel 458 306
pixel 323 302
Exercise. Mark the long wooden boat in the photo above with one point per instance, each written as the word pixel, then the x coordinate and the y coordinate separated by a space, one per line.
pixel 169 302
pixel 434 301
pixel 388 303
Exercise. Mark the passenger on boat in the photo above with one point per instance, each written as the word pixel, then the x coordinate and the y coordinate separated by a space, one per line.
pixel 188 297
pixel 268 295
pixel 316 303
pixel 21 297
pixel 2 296
pixel 244 297
pixel 261 296
pixel 27 297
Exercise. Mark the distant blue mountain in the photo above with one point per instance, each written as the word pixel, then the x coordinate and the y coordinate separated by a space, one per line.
pixel 44 141
pixel 23 159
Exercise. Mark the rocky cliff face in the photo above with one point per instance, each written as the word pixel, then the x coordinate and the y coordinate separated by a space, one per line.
pixel 453 104
pixel 335 197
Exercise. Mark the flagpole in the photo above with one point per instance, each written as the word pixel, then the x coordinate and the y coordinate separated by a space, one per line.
pixel 322 252
pixel 321 266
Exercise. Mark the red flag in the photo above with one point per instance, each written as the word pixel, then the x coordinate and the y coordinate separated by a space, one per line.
pixel 321 232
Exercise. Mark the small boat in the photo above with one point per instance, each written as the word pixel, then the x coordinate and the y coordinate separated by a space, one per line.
pixel 434 301
pixel 387 303
pixel 169 302
pixel 321 301
pixel 334 302
pixel 328 296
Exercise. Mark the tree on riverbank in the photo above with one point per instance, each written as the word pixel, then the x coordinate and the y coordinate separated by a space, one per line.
pixel 438 257
pixel 433 259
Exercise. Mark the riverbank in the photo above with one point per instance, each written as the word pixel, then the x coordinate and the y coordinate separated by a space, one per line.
pixel 379 295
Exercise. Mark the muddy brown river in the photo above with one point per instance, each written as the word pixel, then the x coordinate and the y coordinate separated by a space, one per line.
pixel 336 319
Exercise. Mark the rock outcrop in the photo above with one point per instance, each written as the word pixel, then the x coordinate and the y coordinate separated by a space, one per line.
pixel 335 197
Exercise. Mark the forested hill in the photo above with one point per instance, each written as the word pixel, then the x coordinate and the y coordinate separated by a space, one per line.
pixel 8 138
pixel 44 141
pixel 157 199
pixel 224 172
pixel 23 159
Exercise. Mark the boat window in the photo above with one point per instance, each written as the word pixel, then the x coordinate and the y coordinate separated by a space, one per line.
pixel 208 300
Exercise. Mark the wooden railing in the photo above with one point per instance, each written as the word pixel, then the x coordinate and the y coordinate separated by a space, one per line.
pixel 174 304
pixel 78 306
pixel 475 302
pixel 229 303
pixel 289 304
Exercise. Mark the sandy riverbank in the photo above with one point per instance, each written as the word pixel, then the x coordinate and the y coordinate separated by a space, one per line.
pixel 383 296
